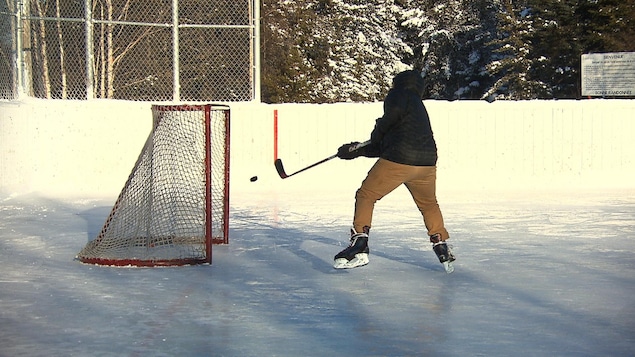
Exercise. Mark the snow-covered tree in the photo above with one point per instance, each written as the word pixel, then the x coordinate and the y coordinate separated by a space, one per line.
pixel 349 50
pixel 288 51
pixel 330 50
pixel 541 42
pixel 512 66
pixel 450 41
pixel 365 50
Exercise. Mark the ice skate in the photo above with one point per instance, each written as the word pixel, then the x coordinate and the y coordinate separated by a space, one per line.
pixel 443 252
pixel 356 254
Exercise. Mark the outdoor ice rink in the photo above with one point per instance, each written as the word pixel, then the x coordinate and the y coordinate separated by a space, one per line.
pixel 538 197
pixel 538 273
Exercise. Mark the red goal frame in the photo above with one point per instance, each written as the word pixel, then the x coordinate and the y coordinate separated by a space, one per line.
pixel 215 118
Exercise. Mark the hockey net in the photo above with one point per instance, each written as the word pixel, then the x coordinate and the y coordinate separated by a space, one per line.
pixel 175 203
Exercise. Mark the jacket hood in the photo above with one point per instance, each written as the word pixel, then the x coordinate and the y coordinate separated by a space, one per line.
pixel 411 80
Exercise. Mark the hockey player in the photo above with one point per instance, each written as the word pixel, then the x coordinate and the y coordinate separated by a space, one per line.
pixel 403 141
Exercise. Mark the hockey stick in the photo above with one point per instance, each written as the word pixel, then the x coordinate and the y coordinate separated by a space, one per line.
pixel 283 174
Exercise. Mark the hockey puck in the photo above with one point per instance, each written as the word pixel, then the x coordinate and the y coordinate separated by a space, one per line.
pixel 253 179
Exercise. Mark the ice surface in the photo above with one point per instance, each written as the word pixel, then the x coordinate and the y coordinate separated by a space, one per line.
pixel 537 274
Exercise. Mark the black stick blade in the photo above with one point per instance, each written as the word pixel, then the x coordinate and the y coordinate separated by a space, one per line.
pixel 280 169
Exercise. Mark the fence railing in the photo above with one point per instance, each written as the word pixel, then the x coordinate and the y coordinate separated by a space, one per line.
pixel 157 50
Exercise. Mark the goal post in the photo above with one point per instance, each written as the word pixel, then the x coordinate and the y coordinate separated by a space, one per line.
pixel 175 204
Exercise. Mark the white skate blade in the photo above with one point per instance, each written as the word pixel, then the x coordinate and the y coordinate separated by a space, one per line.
pixel 449 268
pixel 359 260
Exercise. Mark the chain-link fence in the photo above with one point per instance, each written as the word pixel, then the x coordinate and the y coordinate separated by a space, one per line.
pixel 178 50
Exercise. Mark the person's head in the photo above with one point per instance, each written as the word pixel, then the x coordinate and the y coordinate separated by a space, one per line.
pixel 411 80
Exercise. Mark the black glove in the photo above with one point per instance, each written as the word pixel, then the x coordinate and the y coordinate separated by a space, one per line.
pixel 348 152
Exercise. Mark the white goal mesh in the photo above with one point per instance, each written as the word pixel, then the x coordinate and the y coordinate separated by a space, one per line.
pixel 175 204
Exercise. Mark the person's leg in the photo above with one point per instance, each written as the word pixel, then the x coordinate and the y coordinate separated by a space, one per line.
pixel 422 187
pixel 382 179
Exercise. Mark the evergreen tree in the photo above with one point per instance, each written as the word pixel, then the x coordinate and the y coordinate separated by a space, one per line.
pixel 290 57
pixel 568 29
pixel 511 65
pixel 557 47
pixel 330 50
pixel 450 42
pixel 348 50
pixel 365 52
pixel 607 25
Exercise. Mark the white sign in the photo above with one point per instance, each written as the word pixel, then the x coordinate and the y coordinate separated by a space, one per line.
pixel 608 74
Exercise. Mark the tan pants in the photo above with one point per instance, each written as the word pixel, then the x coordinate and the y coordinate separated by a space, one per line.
pixel 384 177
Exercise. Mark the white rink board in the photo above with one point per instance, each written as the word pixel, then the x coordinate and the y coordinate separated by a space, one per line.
pixel 89 147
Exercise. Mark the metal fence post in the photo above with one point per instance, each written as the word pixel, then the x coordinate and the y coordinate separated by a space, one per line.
pixel 18 85
pixel 256 48
pixel 176 86
pixel 88 25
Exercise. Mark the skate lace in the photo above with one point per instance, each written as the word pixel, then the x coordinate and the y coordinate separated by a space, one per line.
pixel 357 236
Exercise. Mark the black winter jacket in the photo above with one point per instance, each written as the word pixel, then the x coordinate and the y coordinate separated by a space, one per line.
pixel 404 134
